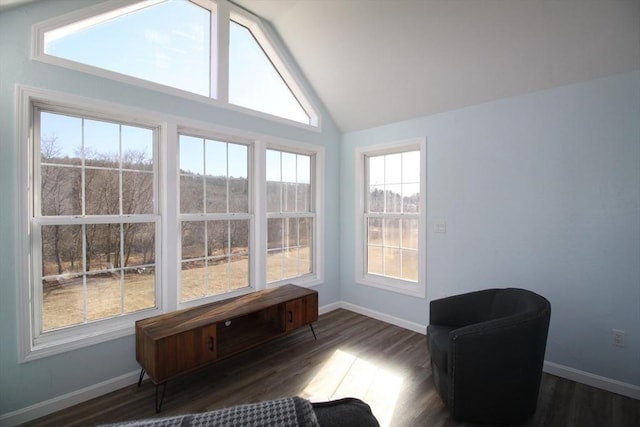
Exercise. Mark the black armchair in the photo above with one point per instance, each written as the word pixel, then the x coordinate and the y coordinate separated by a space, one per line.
pixel 487 350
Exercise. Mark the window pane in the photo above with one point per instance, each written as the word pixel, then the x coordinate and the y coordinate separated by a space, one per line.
pixel 137 148
pixel 411 167
pixel 410 265
pixel 193 239
pixel 167 43
pixel 376 199
pixel 104 294
pixel 393 198
pixel 393 168
pixel 238 272
pixel 217 238
pixel 238 195
pixel 238 155
pixel 253 80
pixel 137 193
pixel 374 231
pixel 239 236
pixel 391 233
pixel 375 264
pixel 63 302
pixel 61 190
pixel 61 139
pixel 275 233
pixel 192 280
pixel 101 144
pixel 289 197
pixel 139 289
pixel 103 247
pixel 191 194
pixel 191 155
pixel 289 164
pixel 273 166
pixel 376 170
pixel 274 196
pixel 411 198
pixel 61 251
pixel 216 157
pixel 102 192
pixel 216 194
pixel 392 262
pixel 410 234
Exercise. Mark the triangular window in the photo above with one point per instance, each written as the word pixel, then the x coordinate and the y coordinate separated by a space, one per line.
pixel 178 44
pixel 254 81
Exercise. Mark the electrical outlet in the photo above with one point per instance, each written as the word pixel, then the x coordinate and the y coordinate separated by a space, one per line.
pixel 618 338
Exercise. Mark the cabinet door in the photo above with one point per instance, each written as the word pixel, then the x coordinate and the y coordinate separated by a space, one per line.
pixel 197 347
pixel 301 312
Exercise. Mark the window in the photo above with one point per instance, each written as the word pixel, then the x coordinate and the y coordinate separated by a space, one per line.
pixel 215 219
pixel 94 219
pixel 222 55
pixel 290 215
pixel 162 42
pixel 392 217
pixel 254 82
pixel 130 213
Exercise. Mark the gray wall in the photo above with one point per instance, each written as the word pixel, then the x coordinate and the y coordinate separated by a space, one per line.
pixel 540 191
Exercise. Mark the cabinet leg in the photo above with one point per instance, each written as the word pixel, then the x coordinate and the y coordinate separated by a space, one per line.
pixel 159 402
pixel 141 376
pixel 313 332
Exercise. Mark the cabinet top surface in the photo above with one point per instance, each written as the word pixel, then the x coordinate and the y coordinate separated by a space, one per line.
pixel 183 320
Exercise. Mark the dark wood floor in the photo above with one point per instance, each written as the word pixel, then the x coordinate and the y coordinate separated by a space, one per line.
pixel 354 355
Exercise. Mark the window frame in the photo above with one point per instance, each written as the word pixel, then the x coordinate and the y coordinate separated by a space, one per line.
pixel 33 343
pixel 312 213
pixel 168 255
pixel 362 276
pixel 249 215
pixel 219 73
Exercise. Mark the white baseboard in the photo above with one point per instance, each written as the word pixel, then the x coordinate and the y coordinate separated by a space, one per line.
pixel 593 380
pixel 412 326
pixel 66 400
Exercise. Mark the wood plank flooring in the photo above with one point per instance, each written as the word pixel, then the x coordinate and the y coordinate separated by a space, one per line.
pixel 354 355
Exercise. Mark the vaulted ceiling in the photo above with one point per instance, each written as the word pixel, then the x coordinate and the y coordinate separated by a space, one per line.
pixel 373 62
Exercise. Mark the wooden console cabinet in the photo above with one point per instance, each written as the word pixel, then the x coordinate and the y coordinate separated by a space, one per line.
pixel 172 344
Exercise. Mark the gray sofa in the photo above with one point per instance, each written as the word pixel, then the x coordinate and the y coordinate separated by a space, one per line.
pixel 487 350
pixel 285 412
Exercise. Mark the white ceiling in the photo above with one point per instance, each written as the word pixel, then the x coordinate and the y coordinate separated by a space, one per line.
pixel 373 62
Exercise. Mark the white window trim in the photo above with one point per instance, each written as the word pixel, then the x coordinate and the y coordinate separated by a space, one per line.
pixel 34 345
pixel 225 12
pixel 318 177
pixel 167 297
pixel 361 276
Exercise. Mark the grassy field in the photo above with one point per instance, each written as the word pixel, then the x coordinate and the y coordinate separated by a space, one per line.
pixel 64 302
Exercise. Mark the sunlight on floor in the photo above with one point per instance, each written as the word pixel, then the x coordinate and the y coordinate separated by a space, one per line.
pixel 345 375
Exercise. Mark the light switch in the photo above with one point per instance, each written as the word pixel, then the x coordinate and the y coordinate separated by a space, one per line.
pixel 440 227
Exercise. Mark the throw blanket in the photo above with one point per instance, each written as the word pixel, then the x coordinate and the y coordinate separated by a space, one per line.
pixel 286 412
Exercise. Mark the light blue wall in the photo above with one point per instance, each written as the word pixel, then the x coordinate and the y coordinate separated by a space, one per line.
pixel 26 384
pixel 540 191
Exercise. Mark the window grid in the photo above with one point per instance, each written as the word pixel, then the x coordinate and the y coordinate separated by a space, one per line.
pixel 215 233
pixel 80 254
pixel 391 213
pixel 290 215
